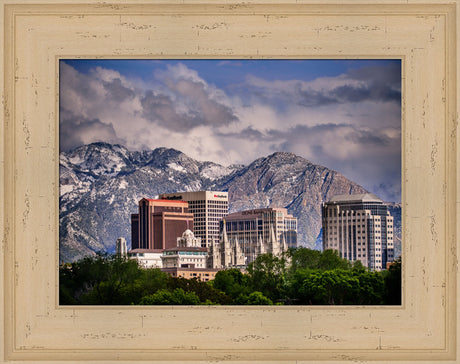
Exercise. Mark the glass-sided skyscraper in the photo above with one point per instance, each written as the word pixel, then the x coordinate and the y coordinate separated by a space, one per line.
pixel 359 227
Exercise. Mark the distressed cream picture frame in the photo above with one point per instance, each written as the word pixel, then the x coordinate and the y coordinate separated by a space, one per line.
pixel 36 35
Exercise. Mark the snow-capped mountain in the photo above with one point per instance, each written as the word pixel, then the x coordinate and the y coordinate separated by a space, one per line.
pixel 101 184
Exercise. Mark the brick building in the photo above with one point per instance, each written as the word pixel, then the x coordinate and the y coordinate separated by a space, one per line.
pixel 159 223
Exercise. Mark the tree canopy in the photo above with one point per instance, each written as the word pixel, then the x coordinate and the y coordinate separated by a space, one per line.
pixel 300 276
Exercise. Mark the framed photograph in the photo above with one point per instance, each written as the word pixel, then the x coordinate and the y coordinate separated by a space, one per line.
pixel 42 40
pixel 151 150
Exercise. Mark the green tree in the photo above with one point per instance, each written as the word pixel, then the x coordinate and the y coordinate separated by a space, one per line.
pixel 268 275
pixel 117 275
pixel 371 287
pixel 330 259
pixel 304 258
pixel 233 282
pixel 393 289
pixel 147 282
pixel 176 297
pixel 204 290
pixel 102 279
pixel 254 298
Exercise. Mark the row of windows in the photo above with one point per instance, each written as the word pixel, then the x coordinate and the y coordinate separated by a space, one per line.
pixel 184 253
pixel 350 212
pixel 197 265
pixel 342 222
pixel 221 211
pixel 191 260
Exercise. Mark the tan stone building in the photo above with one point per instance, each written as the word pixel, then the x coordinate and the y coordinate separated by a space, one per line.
pixel 359 227
pixel 203 274
pixel 208 209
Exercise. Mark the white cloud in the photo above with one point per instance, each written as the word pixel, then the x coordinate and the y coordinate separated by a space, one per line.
pixel 349 123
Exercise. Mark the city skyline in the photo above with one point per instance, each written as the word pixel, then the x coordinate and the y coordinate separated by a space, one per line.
pixel 343 114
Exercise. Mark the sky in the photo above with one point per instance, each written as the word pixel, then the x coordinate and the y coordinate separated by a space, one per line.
pixel 342 114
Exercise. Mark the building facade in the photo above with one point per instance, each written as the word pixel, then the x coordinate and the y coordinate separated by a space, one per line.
pixel 208 209
pixel 225 253
pixel 256 224
pixel 203 274
pixel 187 254
pixel 359 227
pixel 159 223
pixel 147 258
pixel 259 231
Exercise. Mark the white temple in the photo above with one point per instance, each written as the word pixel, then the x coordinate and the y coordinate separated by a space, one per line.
pixel 233 253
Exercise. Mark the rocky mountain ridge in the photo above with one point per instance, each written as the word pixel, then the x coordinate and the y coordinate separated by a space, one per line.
pixel 101 184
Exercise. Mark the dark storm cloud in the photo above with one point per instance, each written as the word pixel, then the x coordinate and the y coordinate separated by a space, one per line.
pixel 367 138
pixel 117 92
pixel 389 74
pixel 366 84
pixel 349 94
pixel 190 107
pixel 383 82
pixel 75 131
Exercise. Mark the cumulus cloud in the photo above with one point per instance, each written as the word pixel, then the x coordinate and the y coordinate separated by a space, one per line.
pixel 371 84
pixel 350 123
pixel 189 107
pixel 80 131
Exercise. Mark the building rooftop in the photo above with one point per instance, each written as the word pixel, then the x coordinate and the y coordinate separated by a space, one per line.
pixel 164 200
pixel 145 251
pixel 172 269
pixel 187 249
pixel 256 212
pixel 363 197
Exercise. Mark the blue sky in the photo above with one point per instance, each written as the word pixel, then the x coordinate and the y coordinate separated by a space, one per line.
pixel 343 114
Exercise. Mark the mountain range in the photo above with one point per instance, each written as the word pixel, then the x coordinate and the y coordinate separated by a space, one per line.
pixel 101 184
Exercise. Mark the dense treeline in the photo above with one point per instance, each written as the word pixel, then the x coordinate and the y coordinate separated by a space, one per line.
pixel 300 276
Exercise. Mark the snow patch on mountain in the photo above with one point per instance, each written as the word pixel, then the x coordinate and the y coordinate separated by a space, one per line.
pixel 176 167
pixel 65 189
pixel 110 201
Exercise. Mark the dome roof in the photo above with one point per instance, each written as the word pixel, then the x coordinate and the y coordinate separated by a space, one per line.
pixel 187 234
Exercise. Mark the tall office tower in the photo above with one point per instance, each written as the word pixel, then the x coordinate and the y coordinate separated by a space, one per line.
pixel 359 227
pixel 267 230
pixel 208 209
pixel 159 223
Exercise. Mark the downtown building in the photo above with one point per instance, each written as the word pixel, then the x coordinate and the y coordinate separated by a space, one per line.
pixel 188 259
pixel 158 224
pixel 208 209
pixel 359 227
pixel 259 231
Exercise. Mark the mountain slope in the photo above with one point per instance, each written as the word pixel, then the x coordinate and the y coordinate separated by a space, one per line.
pixel 286 180
pixel 101 184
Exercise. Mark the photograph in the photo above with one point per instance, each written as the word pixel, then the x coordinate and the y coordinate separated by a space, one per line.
pixel 230 181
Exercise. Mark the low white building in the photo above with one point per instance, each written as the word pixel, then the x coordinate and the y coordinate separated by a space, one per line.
pixel 147 258
pixel 187 254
